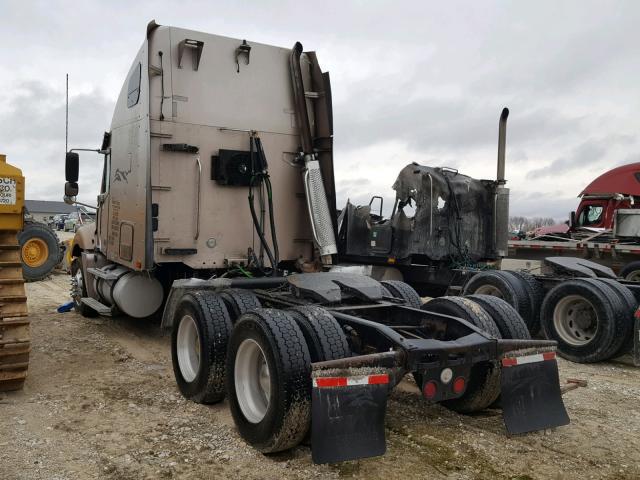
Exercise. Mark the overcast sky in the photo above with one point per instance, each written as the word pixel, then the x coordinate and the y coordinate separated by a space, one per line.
pixel 412 81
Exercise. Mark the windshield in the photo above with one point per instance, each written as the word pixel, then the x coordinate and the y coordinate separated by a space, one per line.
pixel 591 215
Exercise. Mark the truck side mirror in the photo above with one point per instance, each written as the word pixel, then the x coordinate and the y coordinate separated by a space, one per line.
pixel 70 189
pixel 71 168
pixel 572 219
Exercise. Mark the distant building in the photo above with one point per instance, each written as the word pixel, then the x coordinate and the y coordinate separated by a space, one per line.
pixel 43 210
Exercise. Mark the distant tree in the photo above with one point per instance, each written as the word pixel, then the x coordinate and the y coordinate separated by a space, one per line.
pixel 526 224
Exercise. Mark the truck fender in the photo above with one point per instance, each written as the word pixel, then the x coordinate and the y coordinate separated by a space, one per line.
pixel 84 239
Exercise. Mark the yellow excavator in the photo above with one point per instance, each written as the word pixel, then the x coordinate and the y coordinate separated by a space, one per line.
pixel 15 335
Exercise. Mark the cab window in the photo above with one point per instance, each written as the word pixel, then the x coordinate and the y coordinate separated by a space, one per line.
pixel 133 90
pixel 591 215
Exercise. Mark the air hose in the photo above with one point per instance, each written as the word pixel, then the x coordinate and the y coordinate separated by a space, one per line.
pixel 260 177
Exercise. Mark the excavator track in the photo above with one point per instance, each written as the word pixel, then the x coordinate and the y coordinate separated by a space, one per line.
pixel 15 330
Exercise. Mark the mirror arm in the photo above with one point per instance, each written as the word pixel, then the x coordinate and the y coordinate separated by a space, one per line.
pixel 72 201
pixel 96 150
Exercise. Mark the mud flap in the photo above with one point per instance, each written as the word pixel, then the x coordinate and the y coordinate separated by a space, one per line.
pixel 347 417
pixel 531 398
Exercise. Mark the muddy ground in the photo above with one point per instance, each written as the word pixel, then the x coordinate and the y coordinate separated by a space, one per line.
pixel 101 402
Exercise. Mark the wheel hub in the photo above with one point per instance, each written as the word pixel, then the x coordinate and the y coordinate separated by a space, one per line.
pixel 252 381
pixel 575 319
pixel 489 290
pixel 633 276
pixel 188 348
pixel 35 252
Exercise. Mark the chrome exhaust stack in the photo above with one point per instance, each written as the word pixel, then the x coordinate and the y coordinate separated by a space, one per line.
pixel 502 143
pixel 316 197
pixel 501 207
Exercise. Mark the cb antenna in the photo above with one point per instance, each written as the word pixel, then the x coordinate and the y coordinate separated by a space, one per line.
pixel 66 124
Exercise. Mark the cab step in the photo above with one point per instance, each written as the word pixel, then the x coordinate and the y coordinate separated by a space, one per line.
pixel 94 304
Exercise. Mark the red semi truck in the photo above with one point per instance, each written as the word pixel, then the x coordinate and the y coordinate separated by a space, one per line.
pixel 605 228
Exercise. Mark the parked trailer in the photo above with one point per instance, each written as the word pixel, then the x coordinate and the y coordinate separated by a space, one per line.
pixel 205 123
pixel 621 255
pixel 605 227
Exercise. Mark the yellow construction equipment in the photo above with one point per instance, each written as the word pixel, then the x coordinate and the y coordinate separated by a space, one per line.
pixel 15 337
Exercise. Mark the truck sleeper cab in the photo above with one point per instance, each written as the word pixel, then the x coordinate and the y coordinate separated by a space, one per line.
pixel 217 194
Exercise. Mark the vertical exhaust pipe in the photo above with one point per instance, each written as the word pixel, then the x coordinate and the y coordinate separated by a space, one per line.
pixel 502 143
pixel 317 203
pixel 501 205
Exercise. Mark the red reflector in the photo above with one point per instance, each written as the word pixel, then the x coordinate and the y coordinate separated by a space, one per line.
pixel 331 382
pixel 509 362
pixel 458 385
pixel 637 314
pixel 381 379
pixel 430 389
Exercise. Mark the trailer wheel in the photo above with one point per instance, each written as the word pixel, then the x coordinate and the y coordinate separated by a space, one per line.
pixel 269 381
pixel 239 301
pixel 582 317
pixel 404 291
pixel 323 334
pixel 199 346
pixel 536 294
pixel 631 303
pixel 505 285
pixel 483 387
pixel 631 271
pixel 506 318
pixel 79 290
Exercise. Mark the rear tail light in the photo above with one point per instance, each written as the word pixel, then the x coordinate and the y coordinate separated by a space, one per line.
pixel 430 389
pixel 459 384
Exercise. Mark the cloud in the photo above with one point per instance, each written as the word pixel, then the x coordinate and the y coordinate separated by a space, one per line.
pixel 556 204
pixel 32 116
pixel 424 83
pixel 583 156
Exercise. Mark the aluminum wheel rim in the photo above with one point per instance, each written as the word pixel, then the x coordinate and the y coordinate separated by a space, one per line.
pixel 633 276
pixel 489 290
pixel 575 319
pixel 78 284
pixel 252 381
pixel 188 348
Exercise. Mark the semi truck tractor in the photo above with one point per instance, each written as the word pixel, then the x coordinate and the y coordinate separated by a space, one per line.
pixel 455 237
pixel 605 228
pixel 216 212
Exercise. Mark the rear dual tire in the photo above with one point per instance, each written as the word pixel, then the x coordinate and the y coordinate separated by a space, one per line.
pixel 269 380
pixel 199 346
pixel 508 286
pixel 590 319
pixel 483 387
pixel 507 319
pixel 402 290
pixel 262 363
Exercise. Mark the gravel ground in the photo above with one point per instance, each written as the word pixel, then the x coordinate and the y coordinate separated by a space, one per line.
pixel 101 402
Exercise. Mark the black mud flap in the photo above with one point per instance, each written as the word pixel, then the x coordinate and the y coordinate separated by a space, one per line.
pixel 531 397
pixel 347 417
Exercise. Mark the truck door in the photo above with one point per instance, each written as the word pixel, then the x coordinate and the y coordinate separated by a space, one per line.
pixel 102 220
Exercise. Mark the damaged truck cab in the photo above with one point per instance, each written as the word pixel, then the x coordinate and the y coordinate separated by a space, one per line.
pixel 216 209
